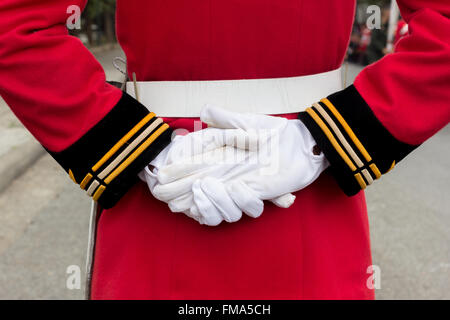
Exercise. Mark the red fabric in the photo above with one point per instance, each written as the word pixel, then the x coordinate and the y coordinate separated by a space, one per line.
pixel 319 248
pixel 49 79
pixel 233 39
pixel 409 91
pixel 316 249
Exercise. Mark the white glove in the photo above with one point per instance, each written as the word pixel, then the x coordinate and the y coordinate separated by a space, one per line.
pixel 285 158
pixel 205 154
pixel 284 163
pixel 176 172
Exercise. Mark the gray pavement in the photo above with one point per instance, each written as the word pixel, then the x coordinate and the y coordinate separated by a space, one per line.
pixel 44 222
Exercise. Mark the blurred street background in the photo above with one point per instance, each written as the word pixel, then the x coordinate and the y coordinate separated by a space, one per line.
pixel 44 216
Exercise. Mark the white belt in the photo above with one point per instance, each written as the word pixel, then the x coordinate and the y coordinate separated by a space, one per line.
pixel 266 96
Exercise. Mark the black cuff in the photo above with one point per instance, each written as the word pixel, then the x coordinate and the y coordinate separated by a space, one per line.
pixel 107 159
pixel 359 148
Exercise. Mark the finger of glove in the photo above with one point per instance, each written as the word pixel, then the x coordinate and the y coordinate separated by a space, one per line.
pixel 218 195
pixel 218 160
pixel 169 191
pixel 245 198
pixel 209 214
pixel 173 172
pixel 182 203
pixel 213 138
pixel 193 213
pixel 284 201
pixel 221 118
pixel 201 142
pixel 150 178
pixel 177 188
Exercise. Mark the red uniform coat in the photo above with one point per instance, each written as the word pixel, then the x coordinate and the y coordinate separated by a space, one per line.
pixel 319 248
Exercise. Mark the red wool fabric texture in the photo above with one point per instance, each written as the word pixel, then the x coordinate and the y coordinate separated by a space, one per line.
pixel 318 248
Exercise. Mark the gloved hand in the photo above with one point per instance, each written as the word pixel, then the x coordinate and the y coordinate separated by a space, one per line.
pixel 281 161
pixel 285 158
pixel 175 174
pixel 205 154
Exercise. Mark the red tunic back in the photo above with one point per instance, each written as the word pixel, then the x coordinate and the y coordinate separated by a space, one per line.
pixel 317 248
pixel 233 39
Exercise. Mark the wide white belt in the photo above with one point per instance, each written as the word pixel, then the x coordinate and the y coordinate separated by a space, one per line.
pixel 266 96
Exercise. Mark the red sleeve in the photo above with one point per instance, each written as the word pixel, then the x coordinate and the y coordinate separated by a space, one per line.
pixel 409 90
pixel 58 90
pixel 394 104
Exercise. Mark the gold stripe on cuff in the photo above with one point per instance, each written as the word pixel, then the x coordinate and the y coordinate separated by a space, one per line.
pixel 340 136
pixel 330 137
pixel 392 167
pixel 85 181
pixel 130 148
pixel 98 193
pixel 136 153
pixel 344 142
pixel 72 176
pixel 122 141
pixel 347 129
pixel 375 170
pixel 360 180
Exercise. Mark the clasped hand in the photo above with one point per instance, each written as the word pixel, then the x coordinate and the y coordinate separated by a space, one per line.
pixel 230 168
